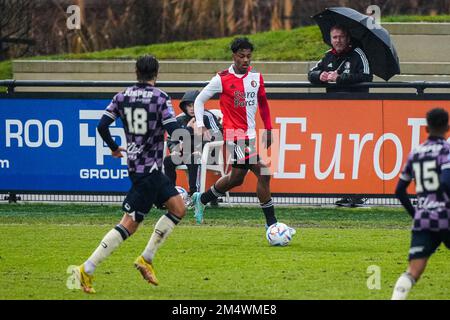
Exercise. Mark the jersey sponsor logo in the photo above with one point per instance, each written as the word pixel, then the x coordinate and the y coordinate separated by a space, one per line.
pixel 133 151
pixel 347 67
pixel 427 204
pixel 434 148
pixel 244 99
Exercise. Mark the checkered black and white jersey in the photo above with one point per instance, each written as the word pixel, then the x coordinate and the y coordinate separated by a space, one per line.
pixel 425 164
pixel 144 110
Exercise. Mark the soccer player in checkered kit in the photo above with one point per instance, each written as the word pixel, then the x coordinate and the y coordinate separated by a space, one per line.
pixel 429 166
pixel 242 93
pixel 146 113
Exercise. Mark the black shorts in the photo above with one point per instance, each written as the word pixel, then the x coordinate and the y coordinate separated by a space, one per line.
pixel 148 189
pixel 424 243
pixel 243 153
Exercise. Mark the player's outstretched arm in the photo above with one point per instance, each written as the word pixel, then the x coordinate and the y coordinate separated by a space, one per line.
pixel 103 130
pixel 445 181
pixel 402 195
pixel 213 87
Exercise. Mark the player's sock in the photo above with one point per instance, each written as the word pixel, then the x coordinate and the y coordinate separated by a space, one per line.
pixel 163 228
pixel 211 195
pixel 269 212
pixel 403 286
pixel 109 243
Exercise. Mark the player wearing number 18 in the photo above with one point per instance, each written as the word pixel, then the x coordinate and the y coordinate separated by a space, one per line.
pixel 146 112
pixel 429 166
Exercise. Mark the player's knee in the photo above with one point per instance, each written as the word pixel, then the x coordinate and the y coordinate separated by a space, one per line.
pixel 129 224
pixel 179 210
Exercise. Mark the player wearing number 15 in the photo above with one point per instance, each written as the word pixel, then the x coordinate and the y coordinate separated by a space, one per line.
pixel 146 112
pixel 429 166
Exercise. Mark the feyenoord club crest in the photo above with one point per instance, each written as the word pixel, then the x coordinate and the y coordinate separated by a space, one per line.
pixel 253 83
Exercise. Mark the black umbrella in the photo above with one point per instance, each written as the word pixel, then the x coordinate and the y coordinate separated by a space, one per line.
pixel 370 36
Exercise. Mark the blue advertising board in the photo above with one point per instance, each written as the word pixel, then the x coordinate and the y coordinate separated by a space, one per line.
pixel 53 145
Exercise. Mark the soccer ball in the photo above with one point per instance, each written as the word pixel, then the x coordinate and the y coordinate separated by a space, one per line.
pixel 185 195
pixel 279 234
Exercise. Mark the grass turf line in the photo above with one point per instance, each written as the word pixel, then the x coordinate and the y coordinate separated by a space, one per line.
pixel 227 258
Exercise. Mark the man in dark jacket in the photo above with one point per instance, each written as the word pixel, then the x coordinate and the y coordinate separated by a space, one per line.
pixel 343 64
pixel 187 121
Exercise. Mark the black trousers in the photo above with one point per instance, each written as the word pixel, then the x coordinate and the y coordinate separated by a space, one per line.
pixel 193 173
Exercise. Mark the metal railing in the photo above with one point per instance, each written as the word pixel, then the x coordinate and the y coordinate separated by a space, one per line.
pixel 235 199
pixel 419 86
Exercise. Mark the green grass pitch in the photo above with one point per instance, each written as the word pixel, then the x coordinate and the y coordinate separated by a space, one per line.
pixel 226 258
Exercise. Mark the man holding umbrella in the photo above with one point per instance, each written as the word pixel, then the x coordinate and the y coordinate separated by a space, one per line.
pixel 356 38
pixel 343 64
pixel 361 48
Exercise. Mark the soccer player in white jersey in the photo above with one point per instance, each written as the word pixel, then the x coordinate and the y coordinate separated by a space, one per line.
pixel 429 166
pixel 242 93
